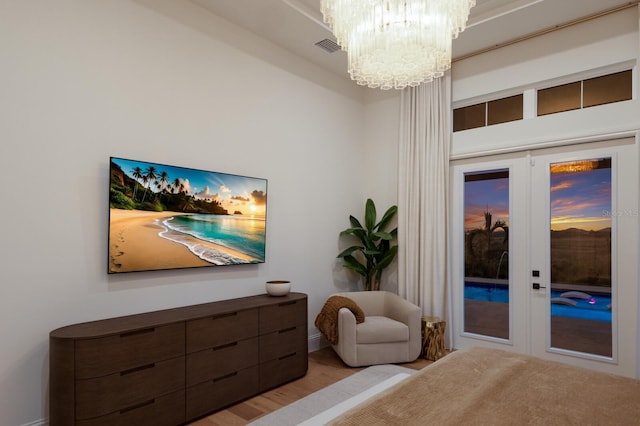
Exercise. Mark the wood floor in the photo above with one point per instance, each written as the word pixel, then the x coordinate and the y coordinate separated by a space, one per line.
pixel 325 368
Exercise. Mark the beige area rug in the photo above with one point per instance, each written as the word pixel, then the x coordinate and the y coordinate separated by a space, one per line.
pixel 324 405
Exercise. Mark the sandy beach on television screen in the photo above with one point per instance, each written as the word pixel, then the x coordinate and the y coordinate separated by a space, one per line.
pixel 134 244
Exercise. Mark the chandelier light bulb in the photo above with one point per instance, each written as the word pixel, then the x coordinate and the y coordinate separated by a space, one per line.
pixel 392 44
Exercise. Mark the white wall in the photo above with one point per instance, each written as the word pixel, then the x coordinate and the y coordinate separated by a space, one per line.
pixel 81 80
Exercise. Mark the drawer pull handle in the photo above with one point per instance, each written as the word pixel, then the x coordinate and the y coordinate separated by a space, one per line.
pixel 135 407
pixel 287 356
pixel 135 333
pixel 287 303
pixel 136 369
pixel 226 376
pixel 230 314
pixel 286 330
pixel 228 345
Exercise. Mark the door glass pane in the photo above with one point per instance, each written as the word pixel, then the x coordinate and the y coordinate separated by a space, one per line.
pixel 580 200
pixel 486 253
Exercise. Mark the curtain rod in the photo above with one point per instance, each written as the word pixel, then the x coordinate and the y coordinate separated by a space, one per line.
pixel 548 30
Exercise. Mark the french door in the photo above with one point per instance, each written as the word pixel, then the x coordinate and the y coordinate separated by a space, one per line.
pixel 545 249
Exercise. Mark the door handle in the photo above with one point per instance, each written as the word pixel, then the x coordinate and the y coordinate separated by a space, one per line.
pixel 537 286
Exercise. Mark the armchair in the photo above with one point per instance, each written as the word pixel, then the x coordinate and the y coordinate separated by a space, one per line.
pixel 390 333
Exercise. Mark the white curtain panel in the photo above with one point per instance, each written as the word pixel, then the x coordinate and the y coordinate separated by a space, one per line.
pixel 423 188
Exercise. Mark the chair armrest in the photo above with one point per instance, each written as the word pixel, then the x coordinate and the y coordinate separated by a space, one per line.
pixel 346 346
pixel 346 324
pixel 406 312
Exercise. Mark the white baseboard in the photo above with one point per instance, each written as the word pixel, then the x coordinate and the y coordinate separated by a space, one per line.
pixel 41 422
pixel 316 342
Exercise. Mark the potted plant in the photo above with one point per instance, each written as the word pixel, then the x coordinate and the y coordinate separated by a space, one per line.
pixel 374 251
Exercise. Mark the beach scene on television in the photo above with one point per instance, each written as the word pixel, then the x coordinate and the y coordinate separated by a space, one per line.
pixel 170 217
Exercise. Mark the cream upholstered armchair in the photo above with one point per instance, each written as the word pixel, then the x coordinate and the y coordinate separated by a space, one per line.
pixel 391 331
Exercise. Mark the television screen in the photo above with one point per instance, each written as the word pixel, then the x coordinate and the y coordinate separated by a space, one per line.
pixel 169 217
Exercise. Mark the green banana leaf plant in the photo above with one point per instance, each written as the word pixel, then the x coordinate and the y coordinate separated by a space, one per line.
pixel 374 251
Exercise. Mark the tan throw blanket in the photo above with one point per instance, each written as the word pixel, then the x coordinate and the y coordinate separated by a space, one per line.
pixel 327 319
pixel 488 387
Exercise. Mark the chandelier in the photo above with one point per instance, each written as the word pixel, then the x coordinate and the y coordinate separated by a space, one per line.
pixel 396 43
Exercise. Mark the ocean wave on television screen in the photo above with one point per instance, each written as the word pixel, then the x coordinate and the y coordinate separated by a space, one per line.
pixel 245 235
pixel 242 233
pixel 214 256
pixel 206 253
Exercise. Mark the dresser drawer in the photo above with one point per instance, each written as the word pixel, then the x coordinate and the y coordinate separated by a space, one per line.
pixel 107 355
pixel 283 369
pixel 221 329
pixel 103 395
pixel 219 361
pixel 221 392
pixel 167 410
pixel 283 342
pixel 282 315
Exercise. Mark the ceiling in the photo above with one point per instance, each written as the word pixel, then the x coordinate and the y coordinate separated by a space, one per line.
pixel 297 25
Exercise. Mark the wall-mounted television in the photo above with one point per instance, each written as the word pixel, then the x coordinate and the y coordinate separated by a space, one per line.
pixel 171 217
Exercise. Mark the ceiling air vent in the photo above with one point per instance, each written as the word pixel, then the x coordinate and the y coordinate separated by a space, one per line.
pixel 328 45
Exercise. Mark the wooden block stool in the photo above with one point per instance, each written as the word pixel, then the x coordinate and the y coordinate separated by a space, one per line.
pixel 433 338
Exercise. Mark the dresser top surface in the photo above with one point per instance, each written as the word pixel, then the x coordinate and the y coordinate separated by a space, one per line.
pixel 117 325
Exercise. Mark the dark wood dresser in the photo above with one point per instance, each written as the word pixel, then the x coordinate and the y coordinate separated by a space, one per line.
pixel 173 366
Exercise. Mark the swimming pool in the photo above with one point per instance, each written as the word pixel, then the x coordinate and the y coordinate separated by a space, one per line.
pixel 597 307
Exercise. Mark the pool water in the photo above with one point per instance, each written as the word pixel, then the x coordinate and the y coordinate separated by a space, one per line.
pixel 597 308
pixel 486 292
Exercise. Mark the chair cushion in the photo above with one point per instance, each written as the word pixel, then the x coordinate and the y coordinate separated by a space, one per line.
pixel 376 329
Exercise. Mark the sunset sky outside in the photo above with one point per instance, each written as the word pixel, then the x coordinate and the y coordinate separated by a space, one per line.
pixel 581 199
pixel 485 191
